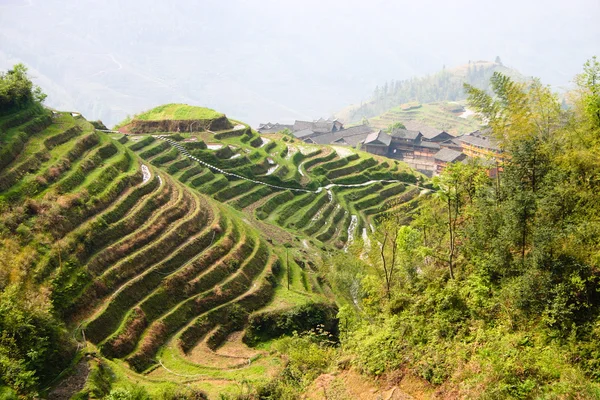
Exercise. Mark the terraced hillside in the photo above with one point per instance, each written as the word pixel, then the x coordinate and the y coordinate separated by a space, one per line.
pixel 326 195
pixel 153 278
pixel 442 115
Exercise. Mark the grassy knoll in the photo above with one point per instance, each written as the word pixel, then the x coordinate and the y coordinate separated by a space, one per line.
pixel 178 112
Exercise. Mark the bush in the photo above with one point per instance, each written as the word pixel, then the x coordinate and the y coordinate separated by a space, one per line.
pixel 197 145
pixel 270 325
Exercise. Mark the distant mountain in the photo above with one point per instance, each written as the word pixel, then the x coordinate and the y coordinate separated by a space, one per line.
pixel 443 86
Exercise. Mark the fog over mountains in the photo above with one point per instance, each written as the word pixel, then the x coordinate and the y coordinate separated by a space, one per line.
pixel 271 60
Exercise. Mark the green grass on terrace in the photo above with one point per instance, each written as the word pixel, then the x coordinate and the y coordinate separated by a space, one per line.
pixel 178 112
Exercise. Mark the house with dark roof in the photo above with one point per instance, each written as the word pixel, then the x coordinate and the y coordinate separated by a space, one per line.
pixel 352 136
pixel 447 156
pixel 319 126
pixel 377 143
pixel 453 144
pixel 429 133
pixel 273 128
pixel 413 148
pixel 405 136
pixel 481 144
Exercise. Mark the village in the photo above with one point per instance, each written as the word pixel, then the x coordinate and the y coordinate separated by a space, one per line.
pixel 426 149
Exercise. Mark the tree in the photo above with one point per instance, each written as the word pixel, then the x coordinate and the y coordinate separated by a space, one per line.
pixel 395 125
pixel 383 253
pixel 458 185
pixel 397 249
pixel 498 61
pixel 588 101
pixel 17 90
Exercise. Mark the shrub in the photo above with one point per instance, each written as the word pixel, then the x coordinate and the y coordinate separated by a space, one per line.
pixel 197 145
pixel 270 325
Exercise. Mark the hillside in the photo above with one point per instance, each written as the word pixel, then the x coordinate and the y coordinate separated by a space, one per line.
pixel 452 117
pixel 435 92
pixel 156 249
pixel 225 264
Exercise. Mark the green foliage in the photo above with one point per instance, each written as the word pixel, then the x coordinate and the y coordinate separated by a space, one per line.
pixel 395 125
pixel 309 356
pixel 32 347
pixel 135 392
pixel 495 291
pixel 269 325
pixel 17 91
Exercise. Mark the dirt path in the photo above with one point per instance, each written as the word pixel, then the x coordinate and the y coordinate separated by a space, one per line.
pixel 351 385
pixel 70 386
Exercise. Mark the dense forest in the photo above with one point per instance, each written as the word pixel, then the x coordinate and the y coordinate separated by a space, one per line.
pixel 446 85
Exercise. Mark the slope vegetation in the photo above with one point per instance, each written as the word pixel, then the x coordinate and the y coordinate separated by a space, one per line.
pixel 325 195
pixel 151 276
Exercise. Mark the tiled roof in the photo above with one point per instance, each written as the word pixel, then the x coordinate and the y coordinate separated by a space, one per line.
pixel 351 136
pixel 480 139
pixel 319 126
pixel 449 155
pixel 429 145
pixel 405 134
pixel 427 131
pixel 304 133
pixel 272 128
pixel 378 137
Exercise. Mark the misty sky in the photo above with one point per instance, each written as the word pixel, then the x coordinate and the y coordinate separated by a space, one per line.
pixel 270 60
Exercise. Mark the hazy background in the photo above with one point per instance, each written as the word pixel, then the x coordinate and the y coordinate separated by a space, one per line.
pixel 272 60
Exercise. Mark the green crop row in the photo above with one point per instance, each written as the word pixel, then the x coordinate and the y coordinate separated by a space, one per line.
pixel 252 197
pixel 232 133
pixel 165 158
pixel 318 160
pixel 310 212
pixel 198 145
pixel 31 164
pixel 22 117
pixel 151 152
pixel 274 202
pixel 215 185
pixel 12 149
pixel 207 176
pixel 233 191
pixel 61 138
pixel 178 165
pixel 188 173
pixel 293 207
pixel 142 143
pixel 362 165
